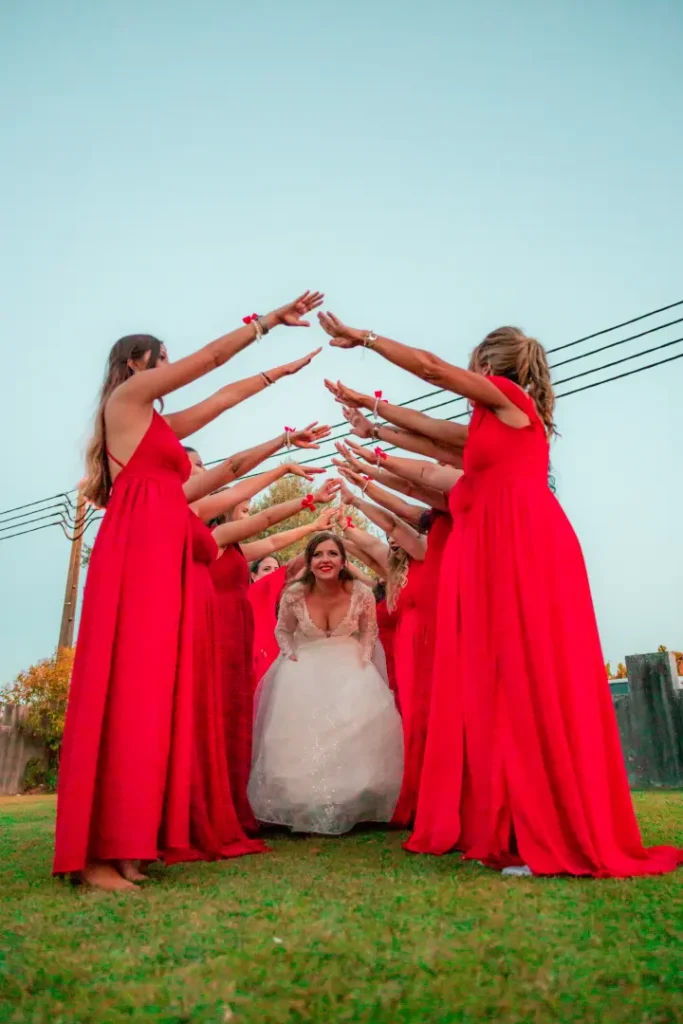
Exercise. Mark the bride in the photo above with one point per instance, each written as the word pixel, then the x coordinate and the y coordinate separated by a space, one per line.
pixel 328 742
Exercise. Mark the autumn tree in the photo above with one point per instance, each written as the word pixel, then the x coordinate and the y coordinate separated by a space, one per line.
pixel 289 488
pixel 44 689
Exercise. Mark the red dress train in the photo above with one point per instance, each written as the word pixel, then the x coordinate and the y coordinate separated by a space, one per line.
pixel 214 830
pixel 124 776
pixel 523 762
pixel 235 636
pixel 263 598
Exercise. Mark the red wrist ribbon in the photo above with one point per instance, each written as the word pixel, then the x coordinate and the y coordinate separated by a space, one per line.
pixel 308 503
pixel 380 453
pixel 350 525
pixel 250 319
pixel 378 394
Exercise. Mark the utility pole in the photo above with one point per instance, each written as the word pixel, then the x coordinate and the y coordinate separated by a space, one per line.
pixel 66 632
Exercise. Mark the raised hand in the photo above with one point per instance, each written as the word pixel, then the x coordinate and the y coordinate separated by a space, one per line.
pixel 307 472
pixel 309 436
pixel 363 453
pixel 350 460
pixel 324 520
pixel 360 424
pixel 298 364
pixel 347 496
pixel 327 492
pixel 291 314
pixel 348 397
pixel 341 335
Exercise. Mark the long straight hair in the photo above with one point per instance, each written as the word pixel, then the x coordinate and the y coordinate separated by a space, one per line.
pixel 133 347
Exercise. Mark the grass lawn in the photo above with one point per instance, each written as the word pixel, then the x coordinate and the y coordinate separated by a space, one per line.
pixel 337 930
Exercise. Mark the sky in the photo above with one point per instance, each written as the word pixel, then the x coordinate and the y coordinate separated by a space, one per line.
pixel 437 169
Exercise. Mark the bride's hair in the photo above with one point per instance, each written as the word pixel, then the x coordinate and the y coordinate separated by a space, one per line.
pixel 307 579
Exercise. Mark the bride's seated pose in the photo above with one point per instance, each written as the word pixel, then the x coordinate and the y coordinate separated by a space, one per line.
pixel 328 741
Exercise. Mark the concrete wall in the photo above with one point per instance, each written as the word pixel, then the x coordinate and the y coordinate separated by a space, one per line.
pixel 16 749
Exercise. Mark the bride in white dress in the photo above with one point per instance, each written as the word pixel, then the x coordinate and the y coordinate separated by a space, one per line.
pixel 328 741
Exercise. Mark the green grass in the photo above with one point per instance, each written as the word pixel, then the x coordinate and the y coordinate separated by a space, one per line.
pixel 337 930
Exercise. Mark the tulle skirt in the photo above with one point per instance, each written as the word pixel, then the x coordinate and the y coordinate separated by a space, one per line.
pixel 328 741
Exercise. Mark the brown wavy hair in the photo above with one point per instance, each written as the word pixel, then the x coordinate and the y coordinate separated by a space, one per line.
pixel 97 485
pixel 307 578
pixel 509 352
pixel 398 564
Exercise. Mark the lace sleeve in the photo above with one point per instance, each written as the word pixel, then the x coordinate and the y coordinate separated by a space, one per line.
pixel 367 622
pixel 286 623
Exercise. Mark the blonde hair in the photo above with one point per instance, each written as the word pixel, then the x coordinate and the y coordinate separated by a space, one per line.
pixel 97 483
pixel 509 352
pixel 398 563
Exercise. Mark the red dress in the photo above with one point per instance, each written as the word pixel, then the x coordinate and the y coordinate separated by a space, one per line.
pixel 386 625
pixel 523 760
pixel 235 634
pixel 214 830
pixel 409 652
pixel 423 597
pixel 124 777
pixel 263 598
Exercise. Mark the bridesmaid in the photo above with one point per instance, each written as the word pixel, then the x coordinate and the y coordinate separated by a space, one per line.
pixel 230 574
pixel 523 769
pixel 119 800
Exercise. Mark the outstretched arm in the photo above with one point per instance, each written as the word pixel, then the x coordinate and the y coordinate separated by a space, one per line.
pixel 202 484
pixel 218 504
pixel 189 421
pixel 398 438
pixel 233 533
pixel 373 467
pixel 258 549
pixel 145 388
pixel 443 432
pixel 418 471
pixel 423 364
pixel 355 551
pixel 411 514
pixel 404 535
pixel 373 551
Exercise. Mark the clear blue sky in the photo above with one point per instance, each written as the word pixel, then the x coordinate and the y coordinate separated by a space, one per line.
pixel 438 169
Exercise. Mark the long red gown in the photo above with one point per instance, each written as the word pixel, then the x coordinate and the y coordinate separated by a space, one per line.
pixel 263 597
pixel 386 625
pixel 235 635
pixel 214 830
pixel 523 761
pixel 124 776
pixel 416 653
pixel 409 650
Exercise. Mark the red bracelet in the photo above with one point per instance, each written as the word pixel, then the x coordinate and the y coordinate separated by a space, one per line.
pixel 250 319
pixel 380 453
pixel 308 503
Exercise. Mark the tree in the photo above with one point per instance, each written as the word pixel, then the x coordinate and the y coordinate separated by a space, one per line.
pixel 289 488
pixel 44 689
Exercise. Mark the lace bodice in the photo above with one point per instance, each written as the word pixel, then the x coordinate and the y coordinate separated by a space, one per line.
pixel 296 628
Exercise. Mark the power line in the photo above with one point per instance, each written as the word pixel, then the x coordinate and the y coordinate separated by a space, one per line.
pixel 28 518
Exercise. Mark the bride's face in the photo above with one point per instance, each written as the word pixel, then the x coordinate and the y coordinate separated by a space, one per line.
pixel 327 561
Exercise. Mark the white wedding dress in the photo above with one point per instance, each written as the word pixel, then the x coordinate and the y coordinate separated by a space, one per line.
pixel 328 741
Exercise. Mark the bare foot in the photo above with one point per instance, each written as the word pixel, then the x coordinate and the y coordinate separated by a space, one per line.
pixel 104 876
pixel 129 870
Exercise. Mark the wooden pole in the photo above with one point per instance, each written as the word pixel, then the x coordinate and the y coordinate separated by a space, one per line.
pixel 66 632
